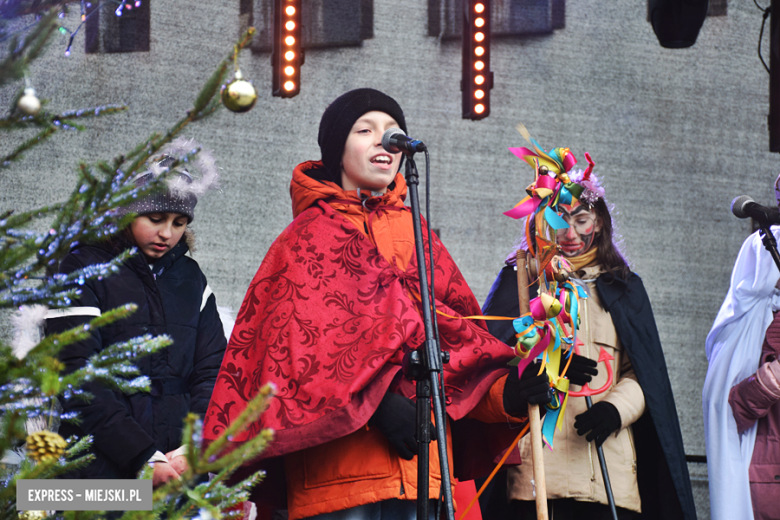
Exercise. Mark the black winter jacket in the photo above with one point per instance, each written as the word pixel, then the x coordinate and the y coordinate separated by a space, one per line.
pixel 173 298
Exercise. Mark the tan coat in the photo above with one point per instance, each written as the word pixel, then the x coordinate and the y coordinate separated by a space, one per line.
pixel 572 467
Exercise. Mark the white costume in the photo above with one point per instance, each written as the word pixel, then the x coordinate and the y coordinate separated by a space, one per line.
pixel 734 351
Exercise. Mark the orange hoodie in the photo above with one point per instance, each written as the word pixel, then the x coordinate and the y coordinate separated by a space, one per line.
pixel 389 227
pixel 362 468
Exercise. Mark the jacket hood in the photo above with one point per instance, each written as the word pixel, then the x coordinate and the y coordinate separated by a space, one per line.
pixel 308 187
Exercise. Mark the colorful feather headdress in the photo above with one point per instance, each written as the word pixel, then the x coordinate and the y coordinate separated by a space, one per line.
pixel 554 183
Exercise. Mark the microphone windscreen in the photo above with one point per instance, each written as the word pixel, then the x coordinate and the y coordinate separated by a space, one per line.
pixel 389 133
pixel 738 206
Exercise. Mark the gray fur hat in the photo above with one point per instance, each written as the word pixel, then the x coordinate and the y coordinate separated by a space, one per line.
pixel 181 190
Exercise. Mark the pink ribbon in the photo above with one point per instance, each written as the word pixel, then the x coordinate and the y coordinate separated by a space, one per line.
pixel 569 161
pixel 524 208
pixel 537 309
pixel 522 152
pixel 545 181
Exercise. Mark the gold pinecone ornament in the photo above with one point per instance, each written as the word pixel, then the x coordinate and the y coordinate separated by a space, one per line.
pixel 32 515
pixel 239 95
pixel 45 445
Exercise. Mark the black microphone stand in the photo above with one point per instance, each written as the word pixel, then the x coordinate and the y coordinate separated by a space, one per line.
pixel 769 242
pixel 425 367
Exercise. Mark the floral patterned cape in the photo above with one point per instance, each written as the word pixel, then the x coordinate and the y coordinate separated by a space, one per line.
pixel 327 320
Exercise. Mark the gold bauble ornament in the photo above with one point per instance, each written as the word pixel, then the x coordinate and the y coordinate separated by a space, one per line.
pixel 29 103
pixel 45 445
pixel 31 515
pixel 239 95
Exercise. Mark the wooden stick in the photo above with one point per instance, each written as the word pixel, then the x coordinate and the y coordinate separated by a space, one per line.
pixel 533 409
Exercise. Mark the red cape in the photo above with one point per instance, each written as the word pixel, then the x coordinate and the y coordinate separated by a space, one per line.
pixel 327 320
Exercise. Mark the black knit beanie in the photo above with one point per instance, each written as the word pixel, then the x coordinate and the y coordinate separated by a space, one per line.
pixel 339 117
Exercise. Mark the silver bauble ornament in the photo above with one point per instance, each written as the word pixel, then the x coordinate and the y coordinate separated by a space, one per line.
pixel 29 103
pixel 239 95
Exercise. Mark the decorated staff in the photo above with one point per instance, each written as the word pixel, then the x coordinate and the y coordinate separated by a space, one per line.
pixel 587 310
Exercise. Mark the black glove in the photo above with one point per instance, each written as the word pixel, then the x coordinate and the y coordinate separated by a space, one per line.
pixel 581 370
pixel 396 418
pixel 601 420
pixel 527 389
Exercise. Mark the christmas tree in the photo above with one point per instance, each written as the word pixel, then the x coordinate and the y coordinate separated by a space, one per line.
pixel 31 245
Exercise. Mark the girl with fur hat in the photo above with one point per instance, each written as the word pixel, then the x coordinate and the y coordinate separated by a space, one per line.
pixel 328 318
pixel 173 298
pixel 634 421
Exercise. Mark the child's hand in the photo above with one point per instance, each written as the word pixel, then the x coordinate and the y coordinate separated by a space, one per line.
pixel 163 472
pixel 177 462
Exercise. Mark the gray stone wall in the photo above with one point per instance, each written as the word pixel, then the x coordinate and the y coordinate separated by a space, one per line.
pixel 676 134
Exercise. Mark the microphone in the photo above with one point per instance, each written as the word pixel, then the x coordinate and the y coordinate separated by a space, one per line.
pixel 394 140
pixel 744 207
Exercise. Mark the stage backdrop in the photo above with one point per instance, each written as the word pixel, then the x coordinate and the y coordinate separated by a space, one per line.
pixel 676 134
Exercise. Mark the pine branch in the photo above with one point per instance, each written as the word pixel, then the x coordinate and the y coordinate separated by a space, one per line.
pixel 47 132
pixel 45 119
pixel 111 367
pixel 256 406
pixel 21 55
pixel 15 282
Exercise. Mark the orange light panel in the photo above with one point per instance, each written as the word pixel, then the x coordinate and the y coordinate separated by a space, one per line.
pixel 476 76
pixel 288 55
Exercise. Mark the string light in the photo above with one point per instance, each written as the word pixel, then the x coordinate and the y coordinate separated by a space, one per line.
pixel 129 6
pixel 476 79
pixel 84 7
pixel 287 54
